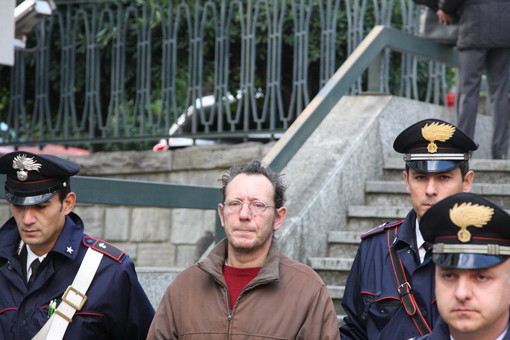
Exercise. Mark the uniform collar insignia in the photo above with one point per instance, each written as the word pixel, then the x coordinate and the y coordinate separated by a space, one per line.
pixel 24 164
pixel 436 132
pixel 70 250
pixel 468 214
pixel 20 246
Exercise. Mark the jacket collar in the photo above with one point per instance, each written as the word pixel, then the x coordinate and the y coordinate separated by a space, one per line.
pixel 69 240
pixel 406 232
pixel 9 239
pixel 270 271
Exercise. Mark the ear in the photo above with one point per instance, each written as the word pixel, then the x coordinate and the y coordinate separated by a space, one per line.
pixel 468 181
pixel 69 202
pixel 405 174
pixel 281 213
pixel 220 214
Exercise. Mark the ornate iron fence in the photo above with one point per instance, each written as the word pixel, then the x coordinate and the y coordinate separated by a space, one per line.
pixel 119 71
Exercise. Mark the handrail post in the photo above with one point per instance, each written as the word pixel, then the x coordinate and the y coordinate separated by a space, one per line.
pixel 375 73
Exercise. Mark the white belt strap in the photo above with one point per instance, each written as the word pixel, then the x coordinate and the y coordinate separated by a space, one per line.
pixel 73 299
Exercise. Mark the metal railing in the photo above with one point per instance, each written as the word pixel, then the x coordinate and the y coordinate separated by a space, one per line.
pixel 127 70
pixel 367 55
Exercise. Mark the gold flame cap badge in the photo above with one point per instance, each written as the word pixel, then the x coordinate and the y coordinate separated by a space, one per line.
pixel 436 132
pixel 468 214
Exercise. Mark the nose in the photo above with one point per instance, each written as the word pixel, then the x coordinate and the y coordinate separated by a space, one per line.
pixel 28 216
pixel 431 189
pixel 245 212
pixel 463 290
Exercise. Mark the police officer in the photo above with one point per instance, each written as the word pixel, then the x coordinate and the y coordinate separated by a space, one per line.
pixel 471 238
pixel 389 292
pixel 51 273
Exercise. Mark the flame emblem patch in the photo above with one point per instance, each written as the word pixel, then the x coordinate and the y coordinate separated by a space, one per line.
pixel 436 132
pixel 468 214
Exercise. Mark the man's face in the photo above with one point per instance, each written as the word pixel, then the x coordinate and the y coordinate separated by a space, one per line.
pixel 40 225
pixel 474 302
pixel 248 232
pixel 428 188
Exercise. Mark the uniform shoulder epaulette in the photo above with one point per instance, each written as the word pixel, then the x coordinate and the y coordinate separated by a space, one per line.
pixel 104 247
pixel 381 228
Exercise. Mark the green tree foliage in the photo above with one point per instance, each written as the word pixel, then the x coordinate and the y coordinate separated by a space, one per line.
pixel 160 19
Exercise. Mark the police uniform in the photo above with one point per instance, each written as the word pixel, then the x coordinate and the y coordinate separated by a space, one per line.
pixel 371 300
pixel 468 232
pixel 116 305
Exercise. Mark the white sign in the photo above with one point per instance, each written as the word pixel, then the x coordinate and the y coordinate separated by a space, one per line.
pixel 7 32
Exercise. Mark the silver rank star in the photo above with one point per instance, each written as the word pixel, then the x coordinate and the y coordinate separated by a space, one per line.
pixel 70 250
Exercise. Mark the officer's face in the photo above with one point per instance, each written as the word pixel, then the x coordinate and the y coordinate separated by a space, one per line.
pixel 40 225
pixel 474 302
pixel 248 232
pixel 428 188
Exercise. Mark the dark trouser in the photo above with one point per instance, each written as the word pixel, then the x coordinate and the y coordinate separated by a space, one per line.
pixel 472 64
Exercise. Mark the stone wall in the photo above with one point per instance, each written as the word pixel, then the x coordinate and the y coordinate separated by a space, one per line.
pixel 349 147
pixel 158 237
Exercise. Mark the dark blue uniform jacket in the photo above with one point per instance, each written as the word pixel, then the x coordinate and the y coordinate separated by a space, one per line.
pixel 371 301
pixel 117 307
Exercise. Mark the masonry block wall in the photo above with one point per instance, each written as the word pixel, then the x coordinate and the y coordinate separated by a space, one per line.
pixel 157 237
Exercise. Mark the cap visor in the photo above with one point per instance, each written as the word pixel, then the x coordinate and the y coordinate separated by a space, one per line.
pixel 28 200
pixel 468 261
pixel 434 166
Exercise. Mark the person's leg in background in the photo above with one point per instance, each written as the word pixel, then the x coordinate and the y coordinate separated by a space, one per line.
pixel 471 68
pixel 498 79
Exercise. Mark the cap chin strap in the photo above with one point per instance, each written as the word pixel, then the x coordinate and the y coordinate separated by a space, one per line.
pixel 485 249
pixel 73 299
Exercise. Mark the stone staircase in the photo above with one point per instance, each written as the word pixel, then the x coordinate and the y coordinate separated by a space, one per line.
pixel 387 200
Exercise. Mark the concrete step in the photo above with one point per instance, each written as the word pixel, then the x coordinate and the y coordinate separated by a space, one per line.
pixel 369 211
pixel 337 293
pixel 343 244
pixel 330 263
pixel 394 193
pixel 347 237
pixel 486 170
pixel 333 270
pixel 490 165
pixel 398 187
pixel 361 218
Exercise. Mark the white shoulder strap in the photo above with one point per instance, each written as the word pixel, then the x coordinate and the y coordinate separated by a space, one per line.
pixel 73 299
